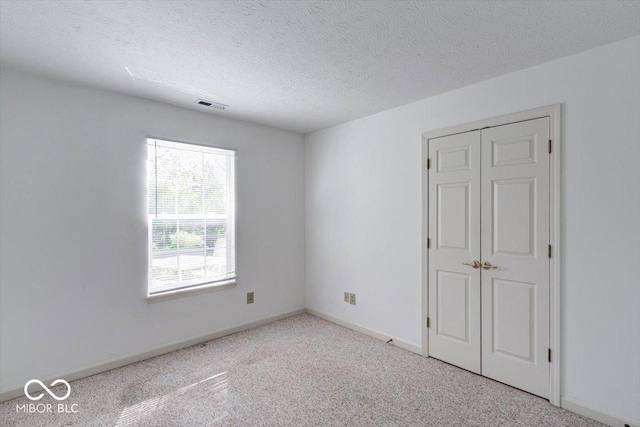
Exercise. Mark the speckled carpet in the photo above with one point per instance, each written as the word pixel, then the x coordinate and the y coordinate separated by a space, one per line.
pixel 300 371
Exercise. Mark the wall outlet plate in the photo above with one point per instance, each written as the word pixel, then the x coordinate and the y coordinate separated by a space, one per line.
pixel 352 299
pixel 346 297
pixel 249 297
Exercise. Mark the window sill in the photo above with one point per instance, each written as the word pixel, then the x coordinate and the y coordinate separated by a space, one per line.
pixel 194 290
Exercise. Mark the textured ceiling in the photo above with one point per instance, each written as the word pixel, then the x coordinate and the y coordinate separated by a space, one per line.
pixel 299 65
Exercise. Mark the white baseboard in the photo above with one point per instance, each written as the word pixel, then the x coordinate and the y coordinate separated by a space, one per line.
pixel 597 414
pixel 366 331
pixel 17 391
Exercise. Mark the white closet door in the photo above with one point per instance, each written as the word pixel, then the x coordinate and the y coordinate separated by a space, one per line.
pixel 454 229
pixel 515 238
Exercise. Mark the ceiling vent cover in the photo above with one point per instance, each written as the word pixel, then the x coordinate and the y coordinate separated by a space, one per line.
pixel 211 104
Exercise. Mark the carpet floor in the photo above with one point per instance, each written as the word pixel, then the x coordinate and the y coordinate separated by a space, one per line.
pixel 301 371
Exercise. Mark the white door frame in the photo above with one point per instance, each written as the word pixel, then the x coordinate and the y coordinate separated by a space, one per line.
pixel 555 283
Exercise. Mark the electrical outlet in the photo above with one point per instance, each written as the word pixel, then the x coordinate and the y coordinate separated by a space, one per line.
pixel 352 299
pixel 346 297
pixel 249 297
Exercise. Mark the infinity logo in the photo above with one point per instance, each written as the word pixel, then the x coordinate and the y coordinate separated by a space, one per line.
pixel 38 397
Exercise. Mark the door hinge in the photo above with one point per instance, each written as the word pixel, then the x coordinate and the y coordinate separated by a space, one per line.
pixel 549 251
pixel 428 243
pixel 549 355
pixel 428 163
pixel 549 146
pixel 428 322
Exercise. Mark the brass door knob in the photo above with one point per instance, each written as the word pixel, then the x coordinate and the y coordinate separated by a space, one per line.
pixel 474 264
pixel 487 265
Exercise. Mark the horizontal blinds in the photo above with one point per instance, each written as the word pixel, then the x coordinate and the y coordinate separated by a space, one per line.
pixel 191 215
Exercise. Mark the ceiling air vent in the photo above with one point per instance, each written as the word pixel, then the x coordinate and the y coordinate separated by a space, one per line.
pixel 211 104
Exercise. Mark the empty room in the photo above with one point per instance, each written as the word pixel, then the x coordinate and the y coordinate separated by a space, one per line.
pixel 319 213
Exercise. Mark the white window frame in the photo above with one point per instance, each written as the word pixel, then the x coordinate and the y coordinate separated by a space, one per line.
pixel 196 287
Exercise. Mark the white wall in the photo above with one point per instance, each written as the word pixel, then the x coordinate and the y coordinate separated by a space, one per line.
pixel 74 233
pixel 364 201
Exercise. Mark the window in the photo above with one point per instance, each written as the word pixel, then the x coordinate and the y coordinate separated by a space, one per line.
pixel 191 216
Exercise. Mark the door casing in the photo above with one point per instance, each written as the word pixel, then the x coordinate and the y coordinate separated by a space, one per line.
pixel 555 282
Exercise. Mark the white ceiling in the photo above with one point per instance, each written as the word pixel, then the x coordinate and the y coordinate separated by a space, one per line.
pixel 299 65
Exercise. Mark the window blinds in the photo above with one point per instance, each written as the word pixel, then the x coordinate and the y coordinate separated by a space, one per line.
pixel 191 215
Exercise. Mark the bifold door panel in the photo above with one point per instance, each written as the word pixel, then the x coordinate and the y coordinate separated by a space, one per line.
pixel 515 238
pixel 454 223
pixel 488 268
